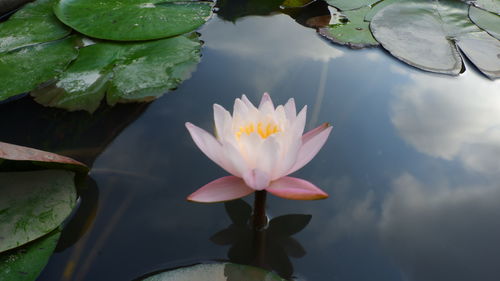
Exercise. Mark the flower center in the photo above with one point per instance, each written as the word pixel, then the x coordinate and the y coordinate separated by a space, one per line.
pixel 263 129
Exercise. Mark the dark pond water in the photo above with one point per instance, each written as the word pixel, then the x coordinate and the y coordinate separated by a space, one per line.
pixel 412 166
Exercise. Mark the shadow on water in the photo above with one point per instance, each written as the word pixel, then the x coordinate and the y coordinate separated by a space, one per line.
pixel 270 248
pixel 232 10
pixel 314 15
pixel 75 134
pixel 81 221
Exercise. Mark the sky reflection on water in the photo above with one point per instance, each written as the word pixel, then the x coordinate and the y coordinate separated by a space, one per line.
pixel 411 166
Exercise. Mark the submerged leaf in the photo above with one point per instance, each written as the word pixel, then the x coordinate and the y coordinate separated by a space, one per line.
pixel 486 20
pixel 355 33
pixel 215 272
pixel 350 4
pixel 425 34
pixel 132 20
pixel 296 3
pixel 122 72
pixel 26 262
pixel 25 68
pixel 33 204
pixel 34 23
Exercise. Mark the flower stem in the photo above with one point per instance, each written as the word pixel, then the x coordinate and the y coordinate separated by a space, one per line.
pixel 259 210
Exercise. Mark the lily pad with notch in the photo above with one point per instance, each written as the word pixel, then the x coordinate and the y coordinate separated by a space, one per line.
pixel 133 20
pixel 489 5
pixel 428 35
pixel 122 72
pixel 354 32
pixel 32 24
pixel 488 21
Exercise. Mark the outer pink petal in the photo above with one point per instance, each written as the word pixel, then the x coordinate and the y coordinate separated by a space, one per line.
pixel 296 189
pixel 312 142
pixel 257 179
pixel 222 189
pixel 210 146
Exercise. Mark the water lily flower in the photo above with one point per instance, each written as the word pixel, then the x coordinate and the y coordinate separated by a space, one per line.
pixel 259 147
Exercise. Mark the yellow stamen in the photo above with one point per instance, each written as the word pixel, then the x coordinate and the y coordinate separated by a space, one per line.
pixel 263 130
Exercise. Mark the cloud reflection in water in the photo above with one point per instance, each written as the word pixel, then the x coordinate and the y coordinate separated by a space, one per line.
pixel 452 119
pixel 296 44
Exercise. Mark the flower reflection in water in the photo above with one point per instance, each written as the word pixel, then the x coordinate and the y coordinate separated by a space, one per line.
pixel 269 248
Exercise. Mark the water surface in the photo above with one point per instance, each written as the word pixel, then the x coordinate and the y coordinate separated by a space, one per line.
pixel 412 166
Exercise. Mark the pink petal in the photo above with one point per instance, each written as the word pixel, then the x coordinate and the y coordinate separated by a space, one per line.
pixel 222 189
pixel 296 189
pixel 209 146
pixel 257 179
pixel 312 142
pixel 309 135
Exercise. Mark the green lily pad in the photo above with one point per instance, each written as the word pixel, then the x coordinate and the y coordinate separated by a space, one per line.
pixel 34 23
pixel 215 272
pixel 25 68
pixel 382 4
pixel 33 204
pixel 355 33
pixel 489 5
pixel 345 5
pixel 123 72
pixel 130 20
pixel 17 158
pixel 26 262
pixel 296 3
pixel 427 35
pixel 486 20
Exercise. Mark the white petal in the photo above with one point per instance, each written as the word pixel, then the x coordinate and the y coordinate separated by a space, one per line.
pixel 300 122
pixel 266 104
pixel 247 102
pixel 222 117
pixel 233 157
pixel 249 148
pixel 210 147
pixel 290 110
pixel 268 156
pixel 240 110
pixel 288 159
pixel 257 179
